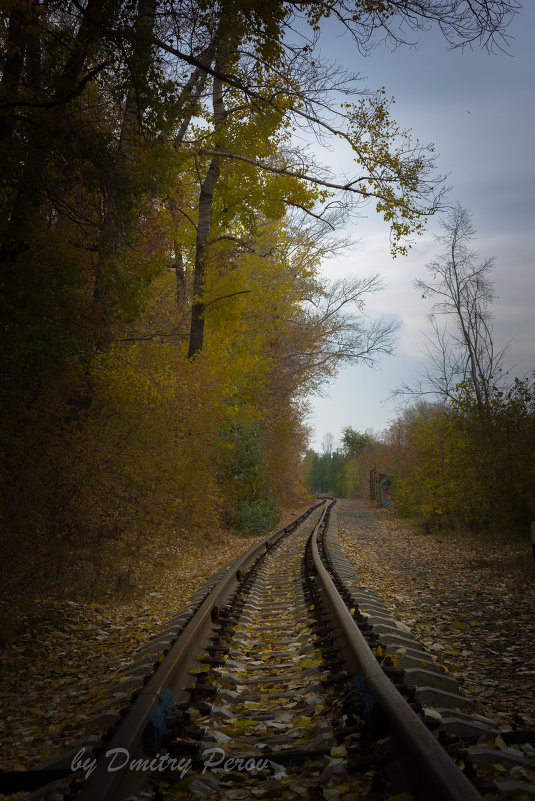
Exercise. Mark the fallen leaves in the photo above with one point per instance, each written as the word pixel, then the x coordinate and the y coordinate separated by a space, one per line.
pixel 72 652
pixel 456 598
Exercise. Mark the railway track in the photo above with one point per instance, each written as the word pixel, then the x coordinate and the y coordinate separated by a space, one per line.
pixel 284 680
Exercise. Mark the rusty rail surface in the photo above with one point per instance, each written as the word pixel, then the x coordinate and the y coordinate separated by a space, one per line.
pixel 428 763
pixel 103 785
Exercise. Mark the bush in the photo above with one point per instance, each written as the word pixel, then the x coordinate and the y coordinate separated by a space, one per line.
pixel 257 515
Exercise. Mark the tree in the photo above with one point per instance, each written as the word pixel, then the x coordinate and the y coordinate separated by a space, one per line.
pixel 107 140
pixel 462 349
pixel 238 134
pixel 92 93
pixel 271 74
pixel 327 444
pixel 353 442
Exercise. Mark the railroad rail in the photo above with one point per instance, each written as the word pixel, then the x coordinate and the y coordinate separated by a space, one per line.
pixel 270 685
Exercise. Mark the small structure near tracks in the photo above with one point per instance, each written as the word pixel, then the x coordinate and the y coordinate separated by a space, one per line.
pixel 380 485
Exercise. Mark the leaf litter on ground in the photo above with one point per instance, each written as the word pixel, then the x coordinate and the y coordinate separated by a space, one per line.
pixel 69 650
pixel 470 606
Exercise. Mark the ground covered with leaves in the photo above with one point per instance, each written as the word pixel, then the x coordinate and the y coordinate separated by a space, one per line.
pixel 76 626
pixel 470 600
pixel 270 702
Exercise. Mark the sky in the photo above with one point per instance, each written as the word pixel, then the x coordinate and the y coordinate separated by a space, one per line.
pixel 479 111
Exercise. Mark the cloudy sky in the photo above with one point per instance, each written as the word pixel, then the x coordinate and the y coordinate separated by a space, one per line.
pixel 479 111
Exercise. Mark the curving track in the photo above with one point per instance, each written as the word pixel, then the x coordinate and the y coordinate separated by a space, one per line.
pixel 270 689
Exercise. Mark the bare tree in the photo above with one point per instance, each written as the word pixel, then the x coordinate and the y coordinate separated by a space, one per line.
pixel 327 443
pixel 462 348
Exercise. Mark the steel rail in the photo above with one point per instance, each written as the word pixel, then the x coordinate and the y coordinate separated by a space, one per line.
pixel 102 784
pixel 439 776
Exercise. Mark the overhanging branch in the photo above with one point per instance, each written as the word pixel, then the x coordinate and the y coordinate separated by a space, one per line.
pixel 348 187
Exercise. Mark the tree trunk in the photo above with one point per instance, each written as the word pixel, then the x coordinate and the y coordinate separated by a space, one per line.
pixel 191 93
pixel 196 338
pixel 180 275
pixel 203 234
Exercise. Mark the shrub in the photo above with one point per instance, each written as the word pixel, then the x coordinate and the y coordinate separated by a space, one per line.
pixel 257 515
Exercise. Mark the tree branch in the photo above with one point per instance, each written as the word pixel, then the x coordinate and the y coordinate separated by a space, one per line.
pixel 348 187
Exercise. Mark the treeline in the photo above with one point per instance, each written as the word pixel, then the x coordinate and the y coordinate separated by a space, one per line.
pixel 454 465
pixel 467 457
pixel 163 316
pixel 331 470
